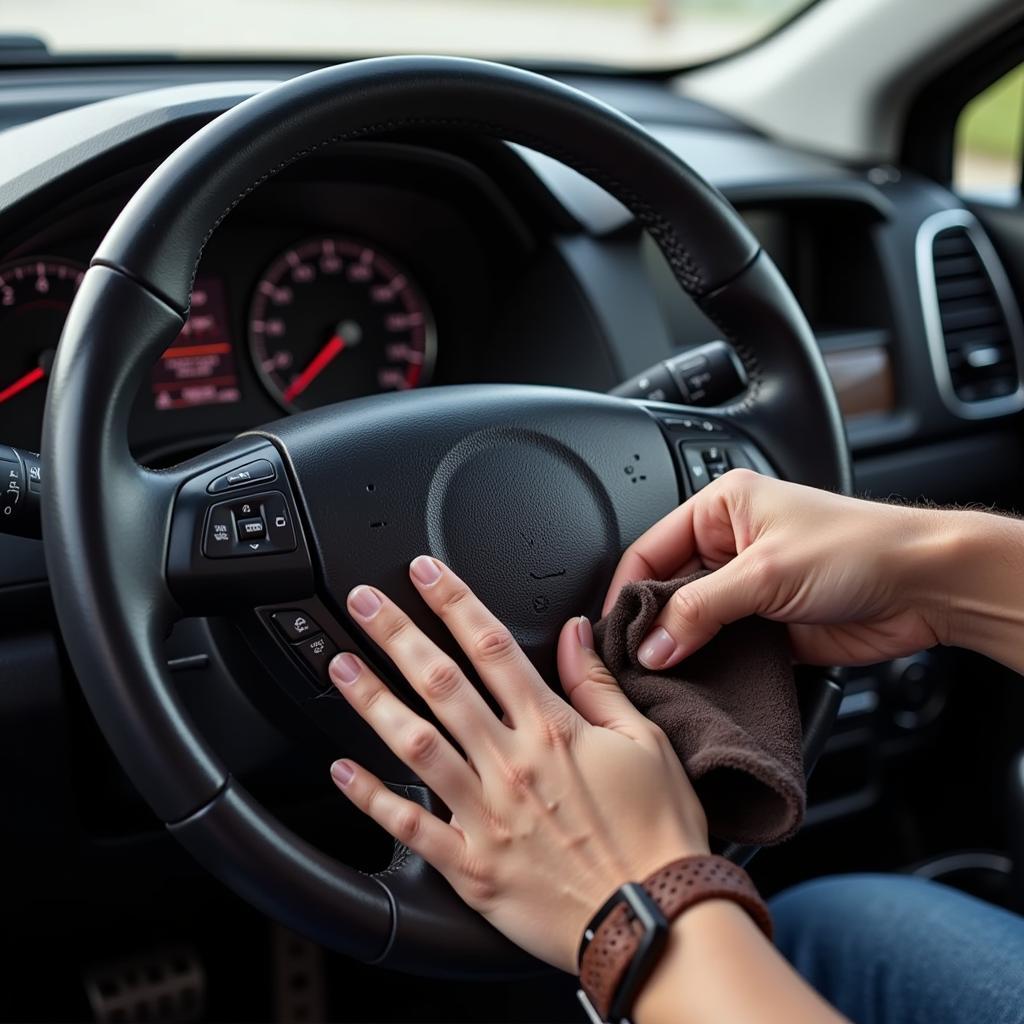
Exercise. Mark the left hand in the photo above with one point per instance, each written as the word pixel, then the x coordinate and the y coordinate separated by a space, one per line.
pixel 558 804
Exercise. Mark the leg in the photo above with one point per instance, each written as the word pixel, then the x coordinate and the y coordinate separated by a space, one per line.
pixel 889 948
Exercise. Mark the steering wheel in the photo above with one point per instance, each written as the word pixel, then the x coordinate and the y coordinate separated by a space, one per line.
pixel 530 493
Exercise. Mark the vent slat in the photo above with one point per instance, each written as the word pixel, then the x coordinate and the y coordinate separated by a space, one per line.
pixel 971 316
pixel 982 361
pixel 962 288
pixel 953 245
pixel 995 335
pixel 958 266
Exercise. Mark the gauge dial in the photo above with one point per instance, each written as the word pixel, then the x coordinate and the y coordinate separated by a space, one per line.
pixel 35 296
pixel 334 318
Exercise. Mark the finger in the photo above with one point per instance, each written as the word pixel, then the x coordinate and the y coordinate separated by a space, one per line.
pixel 416 742
pixel 697 611
pixel 657 554
pixel 431 673
pixel 425 834
pixel 591 688
pixel 493 651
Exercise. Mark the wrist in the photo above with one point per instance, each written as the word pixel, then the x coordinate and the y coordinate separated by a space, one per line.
pixel 968 575
pixel 711 923
pixel 626 940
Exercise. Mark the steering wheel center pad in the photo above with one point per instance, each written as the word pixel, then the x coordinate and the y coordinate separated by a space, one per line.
pixel 534 516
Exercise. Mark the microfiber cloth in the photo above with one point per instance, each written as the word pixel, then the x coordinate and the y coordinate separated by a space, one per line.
pixel 729 710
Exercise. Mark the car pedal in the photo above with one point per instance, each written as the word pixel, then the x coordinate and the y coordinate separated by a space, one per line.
pixel 299 983
pixel 166 986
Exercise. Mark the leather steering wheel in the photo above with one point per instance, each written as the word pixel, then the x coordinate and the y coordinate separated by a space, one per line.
pixel 529 493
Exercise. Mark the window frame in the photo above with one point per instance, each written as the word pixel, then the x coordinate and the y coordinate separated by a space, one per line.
pixel 929 139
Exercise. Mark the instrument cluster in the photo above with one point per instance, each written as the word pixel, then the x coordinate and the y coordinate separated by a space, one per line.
pixel 329 317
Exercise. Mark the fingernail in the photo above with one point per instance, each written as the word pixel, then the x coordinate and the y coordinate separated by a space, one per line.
pixel 656 649
pixel 425 570
pixel 585 633
pixel 342 772
pixel 345 668
pixel 364 602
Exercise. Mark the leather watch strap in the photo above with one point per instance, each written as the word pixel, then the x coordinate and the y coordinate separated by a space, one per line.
pixel 674 888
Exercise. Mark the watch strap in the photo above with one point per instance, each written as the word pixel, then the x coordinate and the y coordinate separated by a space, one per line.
pixel 611 945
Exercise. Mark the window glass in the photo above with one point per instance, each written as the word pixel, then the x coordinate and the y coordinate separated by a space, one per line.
pixel 624 33
pixel 990 139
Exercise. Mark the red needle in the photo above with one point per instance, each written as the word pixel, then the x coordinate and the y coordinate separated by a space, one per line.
pixel 317 365
pixel 22 382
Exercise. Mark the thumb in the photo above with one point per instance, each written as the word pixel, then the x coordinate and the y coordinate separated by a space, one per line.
pixel 590 687
pixel 696 612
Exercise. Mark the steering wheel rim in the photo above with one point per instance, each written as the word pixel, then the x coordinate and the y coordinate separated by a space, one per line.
pixel 108 521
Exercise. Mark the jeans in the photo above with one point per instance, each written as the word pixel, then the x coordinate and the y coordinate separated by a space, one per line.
pixel 892 949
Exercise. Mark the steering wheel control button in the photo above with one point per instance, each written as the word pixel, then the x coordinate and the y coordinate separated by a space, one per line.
pixel 280 530
pixel 251 473
pixel 317 653
pixel 295 625
pixel 695 466
pixel 251 529
pixel 692 423
pixel 219 541
pixel 258 525
pixel 707 462
pixel 716 461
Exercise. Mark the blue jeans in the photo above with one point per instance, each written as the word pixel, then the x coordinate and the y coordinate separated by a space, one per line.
pixel 892 949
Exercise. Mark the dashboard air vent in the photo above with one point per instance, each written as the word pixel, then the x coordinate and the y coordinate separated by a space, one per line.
pixel 973 319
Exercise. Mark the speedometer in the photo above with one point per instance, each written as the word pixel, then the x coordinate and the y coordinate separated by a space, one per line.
pixel 334 318
pixel 35 296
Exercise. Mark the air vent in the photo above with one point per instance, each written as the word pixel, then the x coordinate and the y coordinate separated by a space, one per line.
pixel 973 322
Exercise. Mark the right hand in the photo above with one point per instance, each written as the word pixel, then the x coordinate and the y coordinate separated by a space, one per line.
pixel 849 577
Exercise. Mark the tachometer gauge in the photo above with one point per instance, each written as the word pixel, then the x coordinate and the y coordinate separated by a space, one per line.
pixel 333 318
pixel 35 296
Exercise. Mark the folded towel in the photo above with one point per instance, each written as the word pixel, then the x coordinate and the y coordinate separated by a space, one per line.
pixel 730 711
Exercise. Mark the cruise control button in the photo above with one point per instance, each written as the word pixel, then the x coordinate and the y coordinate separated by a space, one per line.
pixel 251 473
pixel 294 624
pixel 317 652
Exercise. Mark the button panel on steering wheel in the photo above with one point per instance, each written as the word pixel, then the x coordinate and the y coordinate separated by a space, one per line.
pixel 258 524
pixel 240 551
pixel 705 449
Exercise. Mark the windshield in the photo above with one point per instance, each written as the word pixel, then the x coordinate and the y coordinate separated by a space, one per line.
pixel 624 33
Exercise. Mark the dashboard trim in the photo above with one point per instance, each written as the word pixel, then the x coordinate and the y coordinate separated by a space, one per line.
pixel 986 408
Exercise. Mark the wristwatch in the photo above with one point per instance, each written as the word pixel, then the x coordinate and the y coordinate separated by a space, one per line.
pixel 627 936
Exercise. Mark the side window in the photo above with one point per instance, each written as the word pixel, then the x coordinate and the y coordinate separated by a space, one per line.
pixel 990 140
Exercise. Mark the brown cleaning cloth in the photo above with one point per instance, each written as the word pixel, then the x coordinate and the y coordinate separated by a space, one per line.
pixel 730 711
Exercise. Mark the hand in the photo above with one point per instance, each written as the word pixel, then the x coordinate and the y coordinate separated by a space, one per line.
pixel 857 581
pixel 558 804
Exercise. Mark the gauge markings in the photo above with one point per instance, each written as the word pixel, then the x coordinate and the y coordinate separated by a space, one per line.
pixel 332 318
pixel 35 296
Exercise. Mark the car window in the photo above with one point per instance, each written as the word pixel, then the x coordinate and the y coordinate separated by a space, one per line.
pixel 990 139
